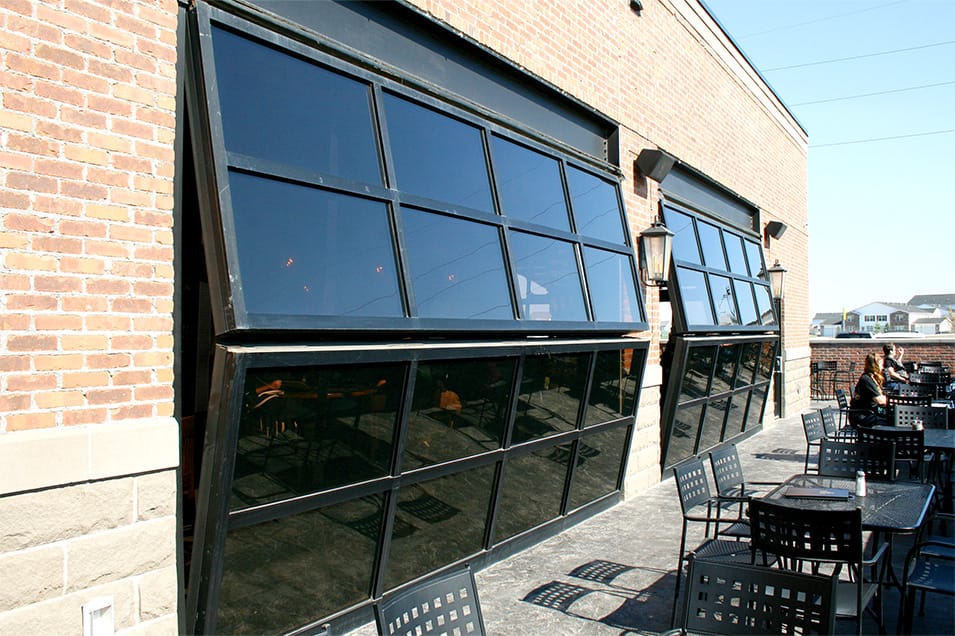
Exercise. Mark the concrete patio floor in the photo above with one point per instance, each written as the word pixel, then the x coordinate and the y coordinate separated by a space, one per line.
pixel 613 574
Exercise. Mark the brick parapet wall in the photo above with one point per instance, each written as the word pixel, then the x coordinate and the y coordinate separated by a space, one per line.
pixel 87 124
pixel 848 350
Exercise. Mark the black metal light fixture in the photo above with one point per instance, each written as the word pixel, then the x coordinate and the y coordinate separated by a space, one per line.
pixel 777 277
pixel 656 244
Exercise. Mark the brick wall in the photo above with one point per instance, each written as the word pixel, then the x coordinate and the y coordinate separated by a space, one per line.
pixel 848 350
pixel 87 122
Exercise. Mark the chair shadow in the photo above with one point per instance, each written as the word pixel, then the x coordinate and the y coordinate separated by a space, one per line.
pixel 783 454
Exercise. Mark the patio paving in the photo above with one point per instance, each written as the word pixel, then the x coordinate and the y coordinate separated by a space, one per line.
pixel 613 574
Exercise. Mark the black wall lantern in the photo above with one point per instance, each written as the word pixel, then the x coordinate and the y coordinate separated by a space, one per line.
pixel 656 244
pixel 777 277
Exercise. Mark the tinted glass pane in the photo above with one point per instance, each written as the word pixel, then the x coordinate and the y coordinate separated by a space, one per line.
pixel 684 236
pixel 305 251
pixel 613 391
pixel 547 278
pixel 284 109
pixel 766 362
pixel 457 267
pixel 695 297
pixel 598 466
pixel 757 403
pixel 734 418
pixel 436 156
pixel 764 302
pixel 723 300
pixel 308 429
pixel 699 368
pixel 712 245
pixel 713 418
pixel 734 251
pixel 747 364
pixel 531 490
pixel 529 185
pixel 459 409
pixel 686 425
pixel 727 355
pixel 267 566
pixel 596 207
pixel 613 289
pixel 747 306
pixel 438 522
pixel 754 258
pixel 551 390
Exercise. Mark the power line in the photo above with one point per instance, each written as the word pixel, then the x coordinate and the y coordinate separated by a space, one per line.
pixel 831 17
pixel 866 141
pixel 856 57
pixel 894 90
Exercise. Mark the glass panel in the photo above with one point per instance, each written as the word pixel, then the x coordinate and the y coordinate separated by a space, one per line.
pixel 757 402
pixel 267 566
pixel 598 466
pixel 284 109
pixel 459 409
pixel 457 267
pixel 613 289
pixel 686 424
pixel 305 251
pixel 613 391
pixel 438 522
pixel 596 206
pixel 547 278
pixel 529 185
pixel 766 362
pixel 712 424
pixel 695 297
pixel 684 236
pixel 436 156
pixel 308 429
pixel 723 300
pixel 764 300
pixel 747 306
pixel 699 368
pixel 734 418
pixel 531 490
pixel 727 355
pixel 712 246
pixel 754 258
pixel 747 364
pixel 550 396
pixel 734 251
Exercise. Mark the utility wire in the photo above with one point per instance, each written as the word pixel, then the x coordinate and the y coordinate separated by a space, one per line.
pixel 865 141
pixel 855 57
pixel 894 90
pixel 824 19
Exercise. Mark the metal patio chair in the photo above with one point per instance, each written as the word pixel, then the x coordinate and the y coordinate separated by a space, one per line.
pixel 442 606
pixel 843 458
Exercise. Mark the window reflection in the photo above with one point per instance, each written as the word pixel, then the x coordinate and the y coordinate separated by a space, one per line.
pixel 695 297
pixel 308 429
pixel 267 566
pixel 547 277
pixel 305 251
pixel 595 205
pixel 712 246
pixel 436 156
pixel 684 247
pixel 754 258
pixel 764 301
pixel 612 285
pixel 531 490
pixel 699 369
pixel 712 430
pixel 757 402
pixel 734 417
pixel 284 109
pixel 552 387
pixel 529 185
pixel 727 355
pixel 598 466
pixel 734 251
pixel 747 306
pixel 686 426
pixel 459 409
pixel 438 522
pixel 457 267
pixel 614 387
pixel 723 300
pixel 747 364
pixel 766 362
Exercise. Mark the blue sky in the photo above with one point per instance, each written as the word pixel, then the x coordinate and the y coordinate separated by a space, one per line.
pixel 881 212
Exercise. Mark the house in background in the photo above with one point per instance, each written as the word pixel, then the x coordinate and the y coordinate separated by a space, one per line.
pixel 933 325
pixel 826 324
pixel 882 317
pixel 941 301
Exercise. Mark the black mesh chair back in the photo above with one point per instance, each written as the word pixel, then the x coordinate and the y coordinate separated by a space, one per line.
pixel 841 458
pixel 914 389
pixel 692 485
pixel 909 444
pixel 830 421
pixel 728 598
pixel 929 416
pixel 895 399
pixel 815 432
pixel 727 470
pixel 444 605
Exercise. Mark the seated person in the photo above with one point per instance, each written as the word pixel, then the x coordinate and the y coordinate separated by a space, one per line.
pixel 868 396
pixel 892 369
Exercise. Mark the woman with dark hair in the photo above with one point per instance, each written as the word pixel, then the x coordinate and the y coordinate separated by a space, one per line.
pixel 868 396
